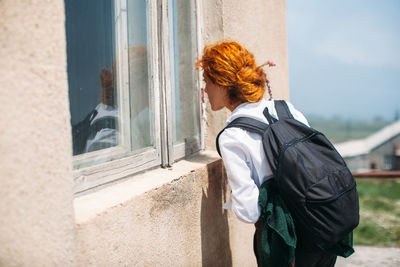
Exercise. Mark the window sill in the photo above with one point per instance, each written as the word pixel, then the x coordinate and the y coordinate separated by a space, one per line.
pixel 93 203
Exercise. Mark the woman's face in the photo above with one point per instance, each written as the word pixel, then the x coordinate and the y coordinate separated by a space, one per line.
pixel 217 95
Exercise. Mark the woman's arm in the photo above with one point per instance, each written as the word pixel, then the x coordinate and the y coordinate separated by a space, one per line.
pixel 235 154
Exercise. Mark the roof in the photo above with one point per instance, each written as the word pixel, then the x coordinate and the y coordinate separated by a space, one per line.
pixel 364 146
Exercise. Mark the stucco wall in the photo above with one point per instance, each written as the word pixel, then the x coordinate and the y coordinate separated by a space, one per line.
pixel 36 214
pixel 180 223
pixel 213 31
pixel 259 25
pixel 171 217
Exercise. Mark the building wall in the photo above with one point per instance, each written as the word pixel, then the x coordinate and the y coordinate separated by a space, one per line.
pixel 259 25
pixel 172 217
pixel 387 149
pixel 357 163
pixel 212 31
pixel 376 157
pixel 36 213
pixel 181 223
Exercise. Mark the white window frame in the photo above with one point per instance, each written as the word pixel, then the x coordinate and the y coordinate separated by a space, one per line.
pixel 192 145
pixel 116 163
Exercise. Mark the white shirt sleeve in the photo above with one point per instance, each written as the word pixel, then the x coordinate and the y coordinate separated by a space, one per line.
pixel 104 138
pixel 235 154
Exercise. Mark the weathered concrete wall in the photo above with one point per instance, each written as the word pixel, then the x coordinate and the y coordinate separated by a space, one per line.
pixel 180 223
pixel 177 221
pixel 36 214
pixel 213 31
pixel 259 25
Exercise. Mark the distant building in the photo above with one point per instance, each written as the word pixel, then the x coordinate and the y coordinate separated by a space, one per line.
pixel 379 151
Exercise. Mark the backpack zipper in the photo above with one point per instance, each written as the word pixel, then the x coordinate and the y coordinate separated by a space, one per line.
pixel 287 145
pixel 325 201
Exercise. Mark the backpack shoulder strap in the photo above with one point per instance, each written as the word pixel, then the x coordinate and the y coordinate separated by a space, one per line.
pixel 282 110
pixel 81 131
pixel 244 123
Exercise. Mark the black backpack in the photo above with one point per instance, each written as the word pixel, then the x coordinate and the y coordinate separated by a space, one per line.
pixel 84 129
pixel 312 178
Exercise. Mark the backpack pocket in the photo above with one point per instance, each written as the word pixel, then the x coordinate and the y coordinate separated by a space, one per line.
pixel 332 206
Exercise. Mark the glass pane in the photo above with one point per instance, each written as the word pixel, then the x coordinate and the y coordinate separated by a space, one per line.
pixel 184 76
pixel 91 72
pixel 139 58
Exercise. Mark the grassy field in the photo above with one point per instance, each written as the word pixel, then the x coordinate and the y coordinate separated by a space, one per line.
pixel 340 130
pixel 379 212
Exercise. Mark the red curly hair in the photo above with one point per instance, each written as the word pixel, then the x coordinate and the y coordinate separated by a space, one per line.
pixel 107 83
pixel 230 65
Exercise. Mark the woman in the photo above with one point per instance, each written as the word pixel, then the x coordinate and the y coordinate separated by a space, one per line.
pixel 233 80
pixel 103 129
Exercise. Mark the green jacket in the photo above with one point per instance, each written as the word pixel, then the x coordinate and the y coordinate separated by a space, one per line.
pixel 277 234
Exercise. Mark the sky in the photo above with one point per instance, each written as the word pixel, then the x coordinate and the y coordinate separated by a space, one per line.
pixel 344 57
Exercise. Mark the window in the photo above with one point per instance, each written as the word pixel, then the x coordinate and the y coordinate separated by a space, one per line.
pixel 133 86
pixel 388 162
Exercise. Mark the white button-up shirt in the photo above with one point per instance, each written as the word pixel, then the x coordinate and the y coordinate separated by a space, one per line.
pixel 245 161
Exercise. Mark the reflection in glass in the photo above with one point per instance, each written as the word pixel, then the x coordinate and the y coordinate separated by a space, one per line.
pixel 91 74
pixel 184 75
pixel 138 55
